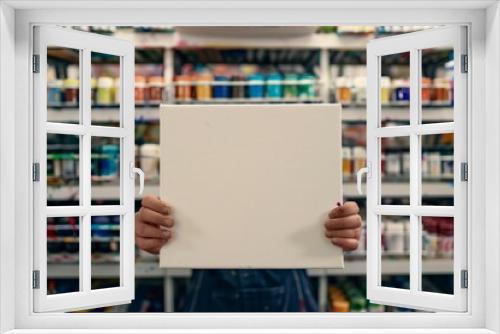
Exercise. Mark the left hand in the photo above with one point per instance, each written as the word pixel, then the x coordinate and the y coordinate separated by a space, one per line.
pixel 343 226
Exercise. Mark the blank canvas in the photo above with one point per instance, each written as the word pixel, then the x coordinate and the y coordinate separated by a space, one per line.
pixel 251 185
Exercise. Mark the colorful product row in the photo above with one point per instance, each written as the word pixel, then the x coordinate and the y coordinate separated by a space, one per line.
pixel 63 166
pixel 437 236
pixel 105 91
pixel 435 92
pixel 205 86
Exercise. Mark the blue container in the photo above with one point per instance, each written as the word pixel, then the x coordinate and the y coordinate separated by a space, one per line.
pixel 274 86
pixel 109 163
pixel 221 91
pixel 256 86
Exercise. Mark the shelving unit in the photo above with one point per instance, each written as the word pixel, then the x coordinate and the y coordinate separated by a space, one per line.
pixel 108 192
pixel 353 114
pixel 349 114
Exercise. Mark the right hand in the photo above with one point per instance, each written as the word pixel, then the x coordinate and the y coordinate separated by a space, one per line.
pixel 153 224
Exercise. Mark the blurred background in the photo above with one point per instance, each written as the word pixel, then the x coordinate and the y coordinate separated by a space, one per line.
pixel 197 65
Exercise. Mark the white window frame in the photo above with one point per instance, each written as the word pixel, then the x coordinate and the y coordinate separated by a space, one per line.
pixel 454 37
pixel 483 122
pixel 85 43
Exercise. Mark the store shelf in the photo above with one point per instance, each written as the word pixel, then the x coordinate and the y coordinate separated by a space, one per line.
pixel 352 268
pixel 349 114
pixel 179 41
pixel 396 189
pixel 100 114
pixel 108 192
pixel 358 114
pixel 99 192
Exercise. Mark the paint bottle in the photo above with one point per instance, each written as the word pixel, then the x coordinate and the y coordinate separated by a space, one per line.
pixel 156 89
pixel 394 237
pixel 55 93
pixel 71 88
pixel 290 90
pixel 347 163
pixel 307 87
pixel 256 86
pixel 360 89
pixel 359 158
pixel 183 89
pixel 141 94
pixel 343 90
pixel 400 91
pixel 105 91
pixel 203 86
pixel 150 159
pixel 238 87
pixel 426 91
pixel 221 91
pixel 385 90
pixel 274 86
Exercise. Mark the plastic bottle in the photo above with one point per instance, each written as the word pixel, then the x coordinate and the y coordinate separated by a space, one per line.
pixel 256 86
pixel 274 86
pixel 150 159
pixel 394 237
pixel 347 163
pixel 359 158
pixel 291 86
pixel 221 91
pixel 360 90
pixel 307 88
pixel 203 87
pixel 343 90
pixel 105 91
pixel 385 90
pixel 156 89
pixel 141 93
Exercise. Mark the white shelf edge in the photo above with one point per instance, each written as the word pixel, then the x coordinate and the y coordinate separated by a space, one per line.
pixel 396 189
pixel 349 114
pixel 352 268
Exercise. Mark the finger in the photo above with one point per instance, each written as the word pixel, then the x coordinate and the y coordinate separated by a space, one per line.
pixel 345 244
pixel 150 245
pixel 153 217
pixel 351 222
pixel 156 204
pixel 146 230
pixel 347 233
pixel 347 209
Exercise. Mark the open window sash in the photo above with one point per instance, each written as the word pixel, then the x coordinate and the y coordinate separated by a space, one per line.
pixel 453 38
pixel 84 43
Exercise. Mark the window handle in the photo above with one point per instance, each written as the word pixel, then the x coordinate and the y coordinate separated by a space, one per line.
pixel 134 170
pixel 359 177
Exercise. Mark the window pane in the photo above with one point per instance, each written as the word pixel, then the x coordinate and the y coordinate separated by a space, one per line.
pixel 395 87
pixel 395 170
pixel 105 170
pixel 437 254
pixel 63 169
pixel 105 269
pixel 63 85
pixel 395 243
pixel 63 253
pixel 437 169
pixel 105 89
pixel 437 85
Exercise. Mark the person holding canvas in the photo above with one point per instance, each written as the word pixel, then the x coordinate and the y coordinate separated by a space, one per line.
pixel 221 290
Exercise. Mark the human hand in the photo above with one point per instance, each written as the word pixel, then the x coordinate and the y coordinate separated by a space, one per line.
pixel 153 224
pixel 343 226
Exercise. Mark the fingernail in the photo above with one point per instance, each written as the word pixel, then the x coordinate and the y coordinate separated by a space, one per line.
pixel 166 234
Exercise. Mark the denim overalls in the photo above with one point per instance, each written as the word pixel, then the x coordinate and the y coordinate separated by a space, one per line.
pixel 244 290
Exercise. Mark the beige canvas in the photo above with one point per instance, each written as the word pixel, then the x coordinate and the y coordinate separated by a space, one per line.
pixel 250 185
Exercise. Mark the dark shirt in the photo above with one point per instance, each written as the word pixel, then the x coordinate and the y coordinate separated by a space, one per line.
pixel 245 290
